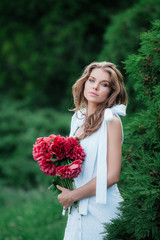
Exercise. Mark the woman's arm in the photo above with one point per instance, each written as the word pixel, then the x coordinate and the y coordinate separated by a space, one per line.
pixel 114 151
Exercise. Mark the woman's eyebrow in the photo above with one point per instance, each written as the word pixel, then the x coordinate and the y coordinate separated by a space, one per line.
pixel 92 77
pixel 105 81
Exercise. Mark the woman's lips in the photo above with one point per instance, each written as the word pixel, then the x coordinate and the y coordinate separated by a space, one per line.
pixel 94 94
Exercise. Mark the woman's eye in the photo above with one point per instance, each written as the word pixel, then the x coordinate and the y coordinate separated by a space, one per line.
pixel 104 84
pixel 91 80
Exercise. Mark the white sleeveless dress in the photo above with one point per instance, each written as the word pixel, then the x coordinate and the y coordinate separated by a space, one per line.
pixel 87 224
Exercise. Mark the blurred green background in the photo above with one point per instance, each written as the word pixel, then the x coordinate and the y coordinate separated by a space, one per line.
pixel 45 46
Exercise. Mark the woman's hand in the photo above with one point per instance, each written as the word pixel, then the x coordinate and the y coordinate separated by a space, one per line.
pixel 65 197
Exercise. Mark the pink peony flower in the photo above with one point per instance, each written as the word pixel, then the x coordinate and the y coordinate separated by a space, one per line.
pixel 70 171
pixel 47 166
pixel 41 148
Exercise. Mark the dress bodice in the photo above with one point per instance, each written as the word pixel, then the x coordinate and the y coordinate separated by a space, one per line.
pixel 95 147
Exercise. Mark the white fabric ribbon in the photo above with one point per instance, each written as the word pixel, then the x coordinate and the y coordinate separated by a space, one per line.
pixel 101 180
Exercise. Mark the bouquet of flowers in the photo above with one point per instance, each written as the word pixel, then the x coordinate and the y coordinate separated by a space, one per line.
pixel 60 157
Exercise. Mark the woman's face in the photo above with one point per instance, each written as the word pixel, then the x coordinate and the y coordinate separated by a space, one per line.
pixel 97 87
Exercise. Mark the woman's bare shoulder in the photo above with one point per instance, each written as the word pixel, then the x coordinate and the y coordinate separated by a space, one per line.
pixel 114 126
pixel 115 122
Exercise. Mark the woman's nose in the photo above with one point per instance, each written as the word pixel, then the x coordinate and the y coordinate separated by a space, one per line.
pixel 95 86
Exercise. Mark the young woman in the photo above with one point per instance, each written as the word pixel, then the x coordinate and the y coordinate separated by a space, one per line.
pixel 99 96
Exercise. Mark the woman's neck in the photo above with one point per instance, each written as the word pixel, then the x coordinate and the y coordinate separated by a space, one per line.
pixel 91 108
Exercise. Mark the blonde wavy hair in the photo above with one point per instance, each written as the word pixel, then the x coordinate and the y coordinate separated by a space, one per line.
pixel 117 95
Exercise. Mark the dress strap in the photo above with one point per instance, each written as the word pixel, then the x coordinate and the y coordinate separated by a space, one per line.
pixel 77 121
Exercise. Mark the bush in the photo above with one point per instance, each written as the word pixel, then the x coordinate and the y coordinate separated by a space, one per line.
pixel 45 45
pixel 18 130
pixel 141 167
pixel 122 38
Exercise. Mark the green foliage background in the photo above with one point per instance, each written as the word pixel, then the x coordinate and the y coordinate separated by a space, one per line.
pixel 122 37
pixel 141 166
pixel 44 48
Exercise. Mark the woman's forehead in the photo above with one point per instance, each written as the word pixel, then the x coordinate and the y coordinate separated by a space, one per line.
pixel 100 74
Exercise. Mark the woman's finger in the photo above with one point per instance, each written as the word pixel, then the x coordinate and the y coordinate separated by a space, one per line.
pixel 60 188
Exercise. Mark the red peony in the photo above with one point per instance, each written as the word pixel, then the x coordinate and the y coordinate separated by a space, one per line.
pixel 70 145
pixel 42 148
pixel 73 170
pixel 47 166
pixel 69 171
pixel 77 153
pixel 58 147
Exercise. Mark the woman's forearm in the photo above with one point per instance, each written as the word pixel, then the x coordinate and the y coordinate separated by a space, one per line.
pixel 89 189
pixel 68 197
